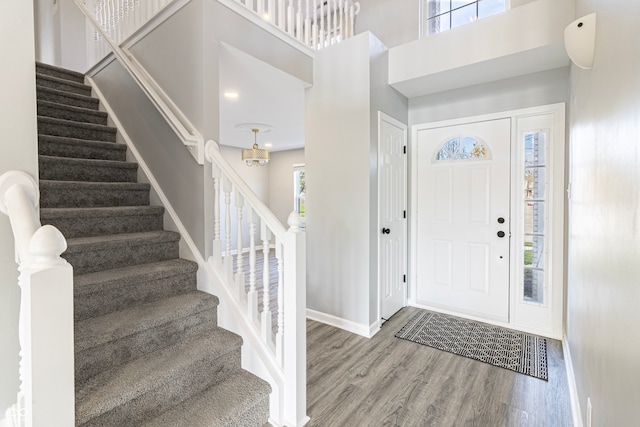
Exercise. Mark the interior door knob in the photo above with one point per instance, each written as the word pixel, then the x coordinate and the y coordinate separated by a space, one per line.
pixel 386 231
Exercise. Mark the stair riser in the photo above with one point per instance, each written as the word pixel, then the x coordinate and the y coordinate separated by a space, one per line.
pixel 61 74
pixel 116 296
pixel 117 256
pixel 254 416
pixel 94 360
pixel 72 131
pixel 78 116
pixel 86 226
pixel 62 170
pixel 59 147
pixel 89 198
pixel 62 98
pixel 63 86
pixel 199 377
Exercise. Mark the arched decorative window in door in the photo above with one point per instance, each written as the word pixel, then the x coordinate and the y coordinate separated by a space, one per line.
pixel 463 148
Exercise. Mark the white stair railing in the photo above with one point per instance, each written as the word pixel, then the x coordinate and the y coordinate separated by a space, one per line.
pixel 314 23
pixel 46 396
pixel 278 323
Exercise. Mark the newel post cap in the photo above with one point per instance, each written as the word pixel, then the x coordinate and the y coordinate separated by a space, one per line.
pixel 46 246
pixel 295 221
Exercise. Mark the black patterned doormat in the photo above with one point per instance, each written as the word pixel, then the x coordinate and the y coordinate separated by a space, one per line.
pixel 517 351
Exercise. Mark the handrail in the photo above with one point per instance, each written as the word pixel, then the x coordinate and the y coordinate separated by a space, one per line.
pixel 180 124
pixel 46 396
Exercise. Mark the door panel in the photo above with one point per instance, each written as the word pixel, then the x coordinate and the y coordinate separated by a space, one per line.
pixel 392 262
pixel 462 189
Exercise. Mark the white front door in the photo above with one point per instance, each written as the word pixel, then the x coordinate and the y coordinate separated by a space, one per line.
pixel 463 201
pixel 392 205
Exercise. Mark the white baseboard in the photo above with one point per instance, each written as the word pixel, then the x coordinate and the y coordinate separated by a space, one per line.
pixel 571 380
pixel 366 331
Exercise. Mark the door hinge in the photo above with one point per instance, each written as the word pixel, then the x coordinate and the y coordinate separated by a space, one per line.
pixel 404 214
pixel 404 278
pixel 405 149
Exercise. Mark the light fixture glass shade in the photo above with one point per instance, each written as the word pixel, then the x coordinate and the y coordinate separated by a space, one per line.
pixel 255 156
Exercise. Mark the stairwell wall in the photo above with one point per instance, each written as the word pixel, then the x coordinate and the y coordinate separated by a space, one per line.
pixel 19 151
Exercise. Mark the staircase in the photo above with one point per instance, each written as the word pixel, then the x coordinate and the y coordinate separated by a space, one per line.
pixel 148 351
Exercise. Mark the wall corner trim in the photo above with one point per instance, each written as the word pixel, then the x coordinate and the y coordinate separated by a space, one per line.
pixel 571 380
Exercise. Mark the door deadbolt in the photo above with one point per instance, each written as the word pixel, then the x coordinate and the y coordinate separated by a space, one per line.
pixel 500 220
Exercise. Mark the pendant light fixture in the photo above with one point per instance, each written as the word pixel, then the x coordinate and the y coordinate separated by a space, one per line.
pixel 255 156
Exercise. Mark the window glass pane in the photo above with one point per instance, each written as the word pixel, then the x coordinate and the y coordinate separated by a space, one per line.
pixel 534 218
pixel 490 7
pixel 438 24
pixel 535 145
pixel 462 148
pixel 534 183
pixel 533 285
pixel 464 15
pixel 299 188
pixel 436 7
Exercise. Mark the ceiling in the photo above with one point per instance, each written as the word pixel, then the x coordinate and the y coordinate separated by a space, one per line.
pixel 265 95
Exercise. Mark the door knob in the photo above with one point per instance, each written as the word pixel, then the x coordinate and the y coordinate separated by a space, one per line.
pixel 500 220
pixel 386 231
pixel 501 234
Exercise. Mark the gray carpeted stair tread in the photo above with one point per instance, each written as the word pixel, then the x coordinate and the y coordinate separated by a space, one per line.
pixel 69 112
pixel 72 129
pixel 85 222
pixel 67 98
pixel 242 400
pixel 96 253
pixel 45 80
pixel 92 170
pixel 59 194
pixel 60 146
pixel 102 292
pixel 63 73
pixel 146 386
pixel 116 338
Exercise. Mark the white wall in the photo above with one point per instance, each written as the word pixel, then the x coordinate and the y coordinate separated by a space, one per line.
pixel 337 144
pixel 281 182
pixel 603 319
pixel 394 22
pixel 18 145
pixel 60 34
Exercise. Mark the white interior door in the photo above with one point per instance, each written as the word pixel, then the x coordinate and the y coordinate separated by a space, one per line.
pixel 463 201
pixel 392 202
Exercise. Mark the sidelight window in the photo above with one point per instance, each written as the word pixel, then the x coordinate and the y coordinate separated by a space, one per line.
pixel 534 199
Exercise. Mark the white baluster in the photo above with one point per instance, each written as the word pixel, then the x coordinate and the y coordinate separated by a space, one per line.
pixel 252 296
pixel 260 8
pixel 351 20
pixel 342 19
pixel 321 35
pixel 307 26
pixel 239 244
pixel 216 253
pixel 290 14
pixel 299 32
pixel 328 38
pixel 228 258
pixel 335 22
pixel 314 28
pixel 280 333
pixel 266 295
pixel 282 24
pixel 271 11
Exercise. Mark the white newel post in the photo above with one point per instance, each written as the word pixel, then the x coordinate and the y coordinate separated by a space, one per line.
pixel 295 337
pixel 46 395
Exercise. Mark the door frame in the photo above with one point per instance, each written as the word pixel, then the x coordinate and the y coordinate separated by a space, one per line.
pixel 385 117
pixel 556 220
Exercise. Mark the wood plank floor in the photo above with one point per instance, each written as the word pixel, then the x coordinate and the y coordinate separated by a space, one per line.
pixel 386 381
